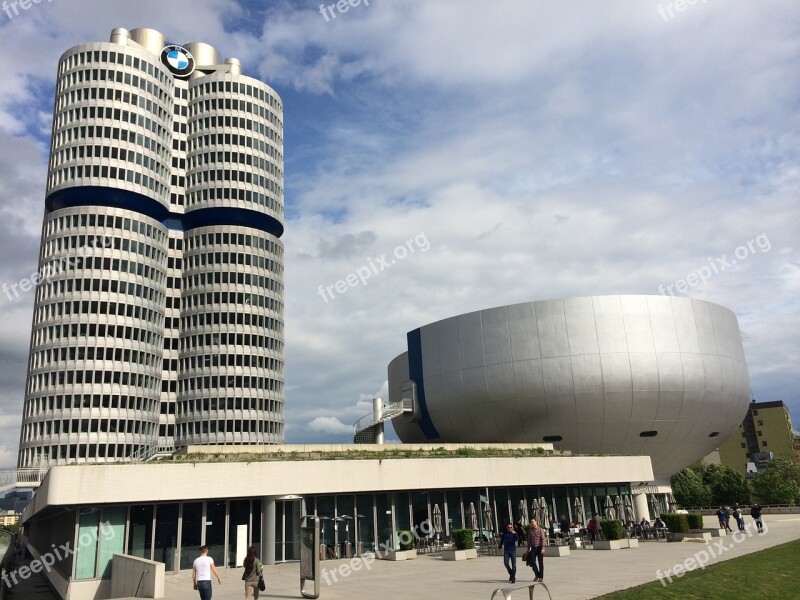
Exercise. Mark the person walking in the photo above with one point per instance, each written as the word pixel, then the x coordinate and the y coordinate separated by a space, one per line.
pixel 537 540
pixel 737 514
pixel 508 542
pixel 724 519
pixel 755 512
pixel 202 568
pixel 253 572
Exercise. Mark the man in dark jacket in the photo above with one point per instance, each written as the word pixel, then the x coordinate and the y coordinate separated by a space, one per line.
pixel 755 512
pixel 508 542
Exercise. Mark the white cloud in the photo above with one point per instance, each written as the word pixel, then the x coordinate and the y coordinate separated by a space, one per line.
pixel 329 425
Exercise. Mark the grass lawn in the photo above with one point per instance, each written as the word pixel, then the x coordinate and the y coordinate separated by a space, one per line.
pixel 768 574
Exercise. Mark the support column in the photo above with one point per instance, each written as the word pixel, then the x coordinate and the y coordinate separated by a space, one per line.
pixel 377 415
pixel 640 506
pixel 268 529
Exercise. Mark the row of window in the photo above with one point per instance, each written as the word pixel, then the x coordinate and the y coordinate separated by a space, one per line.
pixel 200 241
pixel 70 333
pixel 57 288
pixel 191 281
pixel 66 427
pixel 203 259
pixel 192 408
pixel 103 77
pixel 217 122
pixel 129 356
pixel 52 268
pixel 117 95
pixel 84 151
pixel 207 383
pixel 222 87
pixel 106 133
pixel 245 196
pixel 43 381
pixel 246 340
pixel 215 317
pixel 241 158
pixel 114 57
pixel 255 361
pixel 80 172
pixel 82 402
pixel 237 298
pixel 87 244
pixel 227 426
pixel 88 450
pixel 92 219
pixel 110 113
pixel 227 140
pixel 230 177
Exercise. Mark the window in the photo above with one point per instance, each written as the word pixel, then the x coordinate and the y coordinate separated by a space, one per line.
pixel 760 422
pixel 764 443
pixel 744 445
pixel 648 434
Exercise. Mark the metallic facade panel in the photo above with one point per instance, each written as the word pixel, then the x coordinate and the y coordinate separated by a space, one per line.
pixel 598 372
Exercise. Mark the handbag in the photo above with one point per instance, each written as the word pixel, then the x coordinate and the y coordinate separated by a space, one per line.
pixel 525 557
pixel 261 585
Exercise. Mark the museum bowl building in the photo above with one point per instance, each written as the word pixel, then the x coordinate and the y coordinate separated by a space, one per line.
pixel 642 375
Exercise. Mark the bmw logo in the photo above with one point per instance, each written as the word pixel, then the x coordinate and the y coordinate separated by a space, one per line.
pixel 178 60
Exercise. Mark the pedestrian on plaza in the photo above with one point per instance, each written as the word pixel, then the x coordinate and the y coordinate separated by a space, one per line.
pixel 252 575
pixel 202 568
pixel 724 519
pixel 537 540
pixel 519 529
pixel 508 542
pixel 737 514
pixel 755 512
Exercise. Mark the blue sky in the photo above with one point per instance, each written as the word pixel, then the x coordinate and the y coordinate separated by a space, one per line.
pixel 542 149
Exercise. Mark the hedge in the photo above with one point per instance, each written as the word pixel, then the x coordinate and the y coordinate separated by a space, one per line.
pixel 695 520
pixel 463 539
pixel 676 522
pixel 612 529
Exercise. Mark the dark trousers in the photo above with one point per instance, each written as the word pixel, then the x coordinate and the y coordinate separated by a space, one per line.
pixel 510 562
pixel 204 588
pixel 537 562
pixel 740 523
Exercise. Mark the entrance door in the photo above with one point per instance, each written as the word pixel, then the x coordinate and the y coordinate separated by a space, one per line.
pixel 287 529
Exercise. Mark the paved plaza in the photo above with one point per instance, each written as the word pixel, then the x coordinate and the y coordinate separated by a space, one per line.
pixel 583 574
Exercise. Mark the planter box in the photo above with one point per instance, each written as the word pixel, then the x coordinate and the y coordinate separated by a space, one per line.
pixel 556 551
pixel 459 554
pixel 606 545
pixel 702 536
pixel 400 555
pixel 715 532
pixel 629 543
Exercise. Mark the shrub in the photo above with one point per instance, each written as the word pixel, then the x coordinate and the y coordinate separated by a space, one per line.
pixel 695 520
pixel 612 529
pixel 675 522
pixel 463 539
pixel 405 539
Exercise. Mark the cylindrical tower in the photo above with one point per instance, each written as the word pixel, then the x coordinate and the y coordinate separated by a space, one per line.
pixel 158 315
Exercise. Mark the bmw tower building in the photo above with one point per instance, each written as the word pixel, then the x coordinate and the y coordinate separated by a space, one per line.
pixel 158 317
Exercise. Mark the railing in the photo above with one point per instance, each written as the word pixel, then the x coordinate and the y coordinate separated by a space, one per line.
pixel 390 411
pixel 30 477
pixel 506 593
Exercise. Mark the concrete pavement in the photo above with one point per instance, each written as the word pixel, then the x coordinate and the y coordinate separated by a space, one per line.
pixel 583 574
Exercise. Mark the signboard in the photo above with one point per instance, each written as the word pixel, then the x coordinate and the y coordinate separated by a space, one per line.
pixel 309 556
pixel 762 458
pixel 178 60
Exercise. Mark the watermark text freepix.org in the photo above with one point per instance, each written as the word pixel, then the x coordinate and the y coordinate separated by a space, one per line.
pixel 679 6
pixel 56 554
pixel 342 6
pixel 60 265
pixel 702 557
pixel 374 266
pixel 12 8
pixel 717 265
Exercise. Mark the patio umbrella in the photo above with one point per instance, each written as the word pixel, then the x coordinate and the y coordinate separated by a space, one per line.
pixel 619 507
pixel 437 519
pixel 672 506
pixel 544 522
pixel 537 510
pixel 488 517
pixel 578 505
pixel 654 507
pixel 523 511
pixel 609 506
pixel 629 514
pixel 472 516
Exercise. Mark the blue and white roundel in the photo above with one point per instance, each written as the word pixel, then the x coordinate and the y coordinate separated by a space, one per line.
pixel 178 60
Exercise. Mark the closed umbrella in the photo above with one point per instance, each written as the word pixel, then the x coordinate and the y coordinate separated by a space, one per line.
pixel 473 517
pixel 537 509
pixel 488 517
pixel 579 510
pixel 523 511
pixel 672 506
pixel 629 514
pixel 654 507
pixel 618 507
pixel 544 522
pixel 609 506
pixel 437 519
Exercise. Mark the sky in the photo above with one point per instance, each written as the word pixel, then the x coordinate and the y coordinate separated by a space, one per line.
pixel 469 155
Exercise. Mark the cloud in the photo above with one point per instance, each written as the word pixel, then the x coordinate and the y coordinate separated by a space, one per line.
pixel 329 425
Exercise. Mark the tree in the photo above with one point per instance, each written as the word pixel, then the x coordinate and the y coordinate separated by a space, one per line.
pixel 689 489
pixel 726 485
pixel 779 483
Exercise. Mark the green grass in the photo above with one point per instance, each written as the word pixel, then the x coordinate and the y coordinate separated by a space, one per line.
pixel 765 575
